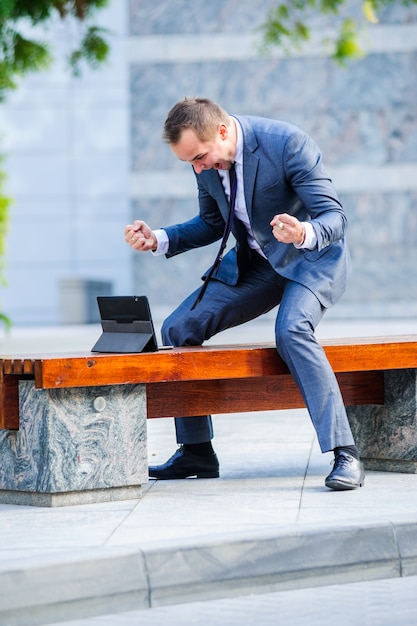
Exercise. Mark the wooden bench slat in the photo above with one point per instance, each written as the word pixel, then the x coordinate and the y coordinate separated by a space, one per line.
pixel 28 366
pixel 13 366
pixel 189 398
pixel 18 365
pixel 215 362
pixel 373 357
pixel 9 401
pixel 172 365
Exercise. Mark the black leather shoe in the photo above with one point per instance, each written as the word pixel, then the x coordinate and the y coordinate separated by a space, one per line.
pixel 347 473
pixel 185 464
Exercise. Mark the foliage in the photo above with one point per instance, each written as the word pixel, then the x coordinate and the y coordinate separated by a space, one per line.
pixel 5 203
pixel 21 55
pixel 287 25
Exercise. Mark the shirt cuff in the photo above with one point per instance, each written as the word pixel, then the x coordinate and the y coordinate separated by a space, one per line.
pixel 163 242
pixel 310 239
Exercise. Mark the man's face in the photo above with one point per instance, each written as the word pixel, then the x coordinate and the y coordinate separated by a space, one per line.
pixel 218 153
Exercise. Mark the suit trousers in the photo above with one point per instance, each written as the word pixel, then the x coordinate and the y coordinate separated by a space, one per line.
pixel 259 290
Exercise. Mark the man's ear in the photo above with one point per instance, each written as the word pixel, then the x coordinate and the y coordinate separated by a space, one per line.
pixel 223 131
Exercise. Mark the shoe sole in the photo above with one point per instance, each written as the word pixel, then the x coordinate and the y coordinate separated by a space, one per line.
pixel 199 475
pixel 340 486
pixel 208 475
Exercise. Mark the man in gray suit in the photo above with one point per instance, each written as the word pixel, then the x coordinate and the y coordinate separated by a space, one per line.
pixel 264 180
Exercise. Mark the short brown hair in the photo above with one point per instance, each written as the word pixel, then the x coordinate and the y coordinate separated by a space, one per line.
pixel 202 115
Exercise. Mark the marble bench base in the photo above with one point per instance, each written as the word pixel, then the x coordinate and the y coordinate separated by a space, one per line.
pixel 75 446
pixel 387 435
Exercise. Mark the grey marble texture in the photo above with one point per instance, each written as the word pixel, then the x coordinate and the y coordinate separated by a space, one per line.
pixel 87 444
pixel 387 435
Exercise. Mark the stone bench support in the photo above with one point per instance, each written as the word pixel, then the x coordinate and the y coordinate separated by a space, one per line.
pixel 75 446
pixel 387 434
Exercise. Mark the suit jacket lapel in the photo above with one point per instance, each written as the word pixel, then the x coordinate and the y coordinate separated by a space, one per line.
pixel 214 186
pixel 212 179
pixel 250 161
pixel 250 168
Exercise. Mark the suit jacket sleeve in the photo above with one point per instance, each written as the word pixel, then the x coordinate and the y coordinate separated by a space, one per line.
pixel 307 176
pixel 201 230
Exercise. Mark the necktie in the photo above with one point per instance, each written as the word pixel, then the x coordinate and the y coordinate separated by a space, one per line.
pixel 226 233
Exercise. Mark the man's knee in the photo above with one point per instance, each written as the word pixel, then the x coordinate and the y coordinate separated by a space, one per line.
pixel 169 332
pixel 182 330
pixel 292 332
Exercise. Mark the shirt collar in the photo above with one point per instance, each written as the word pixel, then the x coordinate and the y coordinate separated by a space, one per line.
pixel 239 143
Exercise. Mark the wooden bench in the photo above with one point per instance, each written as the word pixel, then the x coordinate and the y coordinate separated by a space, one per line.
pixel 377 377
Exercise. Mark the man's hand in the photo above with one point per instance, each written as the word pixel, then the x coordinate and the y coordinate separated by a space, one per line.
pixel 288 229
pixel 139 236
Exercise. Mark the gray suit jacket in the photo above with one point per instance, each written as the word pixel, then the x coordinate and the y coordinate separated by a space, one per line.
pixel 283 173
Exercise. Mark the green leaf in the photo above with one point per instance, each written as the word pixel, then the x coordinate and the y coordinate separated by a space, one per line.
pixel 6 321
pixel 94 49
pixel 302 31
pixel 347 45
pixel 29 55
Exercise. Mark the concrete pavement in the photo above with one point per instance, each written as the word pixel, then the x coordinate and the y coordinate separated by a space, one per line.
pixel 386 602
pixel 267 526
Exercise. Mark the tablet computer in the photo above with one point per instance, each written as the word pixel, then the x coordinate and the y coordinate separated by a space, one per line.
pixel 127 325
